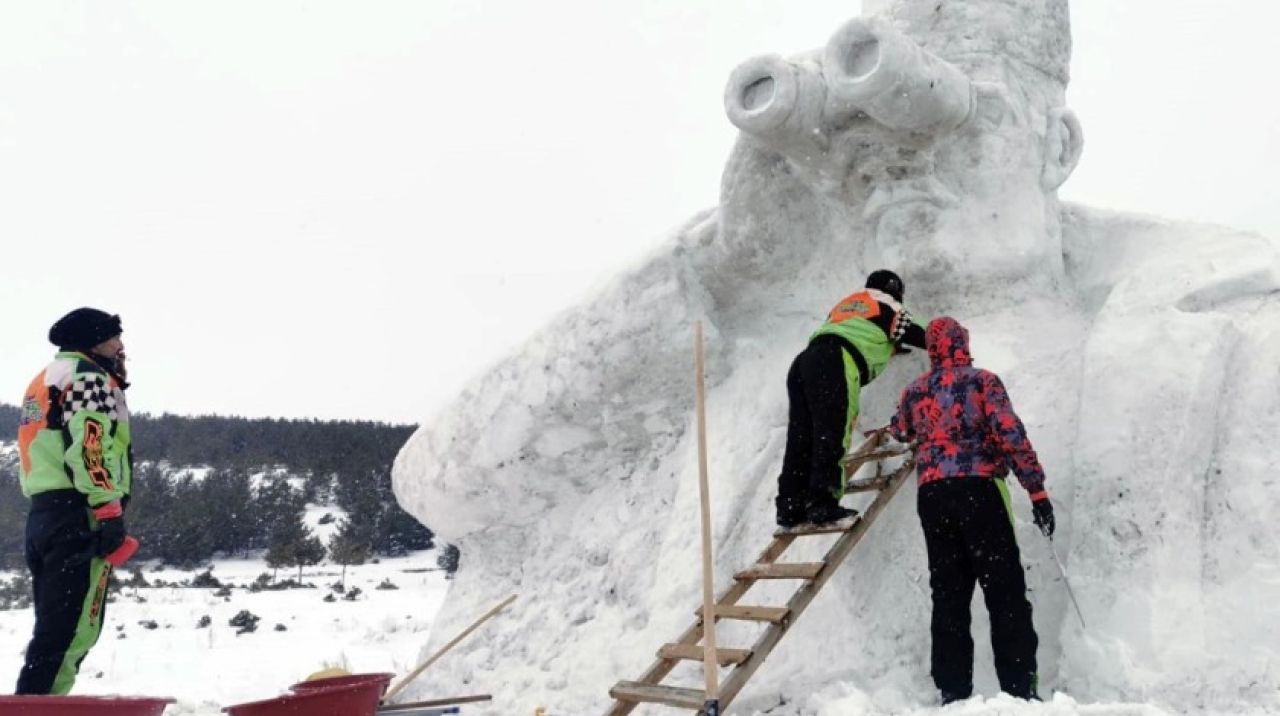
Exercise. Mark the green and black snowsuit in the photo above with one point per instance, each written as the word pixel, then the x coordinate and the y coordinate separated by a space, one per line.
pixel 74 443
pixel 848 351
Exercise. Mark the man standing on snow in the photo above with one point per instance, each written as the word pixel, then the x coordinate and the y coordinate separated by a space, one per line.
pixel 848 351
pixel 76 469
pixel 968 438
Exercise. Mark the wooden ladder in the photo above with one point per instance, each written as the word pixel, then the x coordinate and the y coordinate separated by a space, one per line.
pixel 813 575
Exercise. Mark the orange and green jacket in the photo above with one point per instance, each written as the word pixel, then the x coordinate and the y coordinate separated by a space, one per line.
pixel 876 326
pixel 74 431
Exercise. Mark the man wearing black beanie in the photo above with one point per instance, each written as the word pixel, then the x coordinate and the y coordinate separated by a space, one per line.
pixel 77 467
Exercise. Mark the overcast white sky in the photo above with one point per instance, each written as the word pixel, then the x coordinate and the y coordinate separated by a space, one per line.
pixel 345 209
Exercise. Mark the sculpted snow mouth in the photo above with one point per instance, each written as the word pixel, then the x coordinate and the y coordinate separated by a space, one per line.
pixel 897 193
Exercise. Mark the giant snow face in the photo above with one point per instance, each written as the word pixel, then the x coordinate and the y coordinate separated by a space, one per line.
pixel 951 167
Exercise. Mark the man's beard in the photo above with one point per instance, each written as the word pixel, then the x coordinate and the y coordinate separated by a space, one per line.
pixel 906 239
pixel 944 253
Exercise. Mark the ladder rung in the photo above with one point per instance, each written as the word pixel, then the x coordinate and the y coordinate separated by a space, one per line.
pixel 855 462
pixel 844 525
pixel 865 457
pixel 869 485
pixel 775 615
pixel 693 652
pixel 781 570
pixel 638 692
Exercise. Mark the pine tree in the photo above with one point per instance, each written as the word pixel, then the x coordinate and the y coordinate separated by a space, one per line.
pixel 308 552
pixel 191 540
pixel 229 494
pixel 13 509
pixel 349 546
pixel 279 555
pixel 276 503
pixel 286 537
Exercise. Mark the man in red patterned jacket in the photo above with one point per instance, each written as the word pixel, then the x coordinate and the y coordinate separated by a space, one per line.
pixel 968 438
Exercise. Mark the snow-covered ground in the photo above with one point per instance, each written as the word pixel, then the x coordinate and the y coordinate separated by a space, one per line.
pixel 211 667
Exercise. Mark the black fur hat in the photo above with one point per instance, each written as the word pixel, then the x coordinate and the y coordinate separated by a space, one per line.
pixel 887 281
pixel 83 329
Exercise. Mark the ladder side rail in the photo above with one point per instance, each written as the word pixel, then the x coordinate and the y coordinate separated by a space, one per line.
pixel 838 552
pixel 736 590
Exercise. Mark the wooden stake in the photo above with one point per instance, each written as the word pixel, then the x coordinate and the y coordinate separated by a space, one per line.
pixel 709 661
pixel 443 650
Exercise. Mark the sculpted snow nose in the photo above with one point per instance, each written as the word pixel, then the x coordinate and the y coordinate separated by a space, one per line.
pixel 872 68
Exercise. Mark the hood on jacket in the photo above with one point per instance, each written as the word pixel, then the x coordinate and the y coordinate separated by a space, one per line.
pixel 948 343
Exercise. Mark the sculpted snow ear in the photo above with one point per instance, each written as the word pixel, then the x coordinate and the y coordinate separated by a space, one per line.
pixel 1064 141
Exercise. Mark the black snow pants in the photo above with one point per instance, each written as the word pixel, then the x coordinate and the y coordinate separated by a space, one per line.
pixel 968 530
pixel 70 585
pixel 823 409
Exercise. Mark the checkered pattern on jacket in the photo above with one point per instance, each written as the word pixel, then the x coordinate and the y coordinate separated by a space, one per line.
pixel 89 391
pixel 962 417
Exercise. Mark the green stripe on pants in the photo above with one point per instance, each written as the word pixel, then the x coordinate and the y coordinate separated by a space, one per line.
pixel 87 628
pixel 1004 495
pixel 853 386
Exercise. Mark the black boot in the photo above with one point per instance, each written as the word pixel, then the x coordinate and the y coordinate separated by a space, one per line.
pixel 791 512
pixel 827 511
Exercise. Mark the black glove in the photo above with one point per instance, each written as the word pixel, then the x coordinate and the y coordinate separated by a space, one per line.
pixel 111 535
pixel 1043 511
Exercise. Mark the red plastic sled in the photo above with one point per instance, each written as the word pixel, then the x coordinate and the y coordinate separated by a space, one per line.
pixel 355 695
pixel 81 706
pixel 376 683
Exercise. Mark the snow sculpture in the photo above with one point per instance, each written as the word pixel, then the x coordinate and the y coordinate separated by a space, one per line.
pixel 928 137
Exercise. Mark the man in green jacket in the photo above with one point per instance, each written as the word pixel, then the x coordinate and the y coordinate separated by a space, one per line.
pixel 862 332
pixel 76 470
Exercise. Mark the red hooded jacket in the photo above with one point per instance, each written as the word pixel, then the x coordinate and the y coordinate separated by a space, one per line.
pixel 962 417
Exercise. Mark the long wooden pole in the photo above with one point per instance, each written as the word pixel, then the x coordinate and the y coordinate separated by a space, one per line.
pixel 443 650
pixel 710 663
pixel 416 705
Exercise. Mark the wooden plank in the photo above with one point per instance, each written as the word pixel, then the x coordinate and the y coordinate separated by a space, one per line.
pixel 853 464
pixel 872 450
pixel 860 455
pixel 660 668
pixel 688 652
pixel 636 692
pixel 455 701
pixel 844 525
pixel 750 613
pixel 805 594
pixel 781 570
pixel 868 485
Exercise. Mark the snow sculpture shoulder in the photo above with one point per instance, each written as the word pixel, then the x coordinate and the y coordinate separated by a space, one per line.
pixel 929 137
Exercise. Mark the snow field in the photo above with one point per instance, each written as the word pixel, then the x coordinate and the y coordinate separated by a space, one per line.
pixel 209 668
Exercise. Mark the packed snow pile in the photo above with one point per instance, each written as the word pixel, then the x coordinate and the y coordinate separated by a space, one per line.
pixel 1140 353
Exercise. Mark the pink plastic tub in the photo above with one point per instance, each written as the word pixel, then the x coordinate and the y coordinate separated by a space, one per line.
pixel 355 695
pixel 81 706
